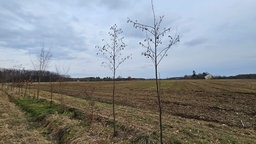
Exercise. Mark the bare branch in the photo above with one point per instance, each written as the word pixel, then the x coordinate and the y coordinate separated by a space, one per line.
pixel 163 32
pixel 164 51
pixel 112 51
pixel 122 61
pixel 140 26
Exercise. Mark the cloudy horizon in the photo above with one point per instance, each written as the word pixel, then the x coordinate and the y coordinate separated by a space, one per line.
pixel 215 36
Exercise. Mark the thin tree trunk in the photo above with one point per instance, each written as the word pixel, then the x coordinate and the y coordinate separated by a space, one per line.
pixel 156 75
pixel 159 104
pixel 26 87
pixel 51 88
pixel 29 90
pixel 61 101
pixel 19 89
pixel 113 101
pixel 114 84
pixel 38 87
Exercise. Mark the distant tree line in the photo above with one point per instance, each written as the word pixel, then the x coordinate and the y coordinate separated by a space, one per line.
pixel 202 76
pixel 16 75
pixel 104 79
pixel 240 76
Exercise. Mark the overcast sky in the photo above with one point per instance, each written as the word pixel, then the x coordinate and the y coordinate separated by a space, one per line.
pixel 216 36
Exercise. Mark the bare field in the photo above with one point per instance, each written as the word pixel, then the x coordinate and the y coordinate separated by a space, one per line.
pixel 195 111
pixel 230 102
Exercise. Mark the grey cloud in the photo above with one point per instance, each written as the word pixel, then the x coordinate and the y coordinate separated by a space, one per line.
pixel 196 42
pixel 70 27
pixel 115 4
pixel 24 30
pixel 110 4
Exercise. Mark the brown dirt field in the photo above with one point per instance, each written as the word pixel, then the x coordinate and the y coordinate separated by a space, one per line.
pixel 184 123
pixel 14 127
pixel 230 102
pixel 176 129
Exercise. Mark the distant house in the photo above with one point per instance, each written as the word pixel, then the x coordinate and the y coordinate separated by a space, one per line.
pixel 208 76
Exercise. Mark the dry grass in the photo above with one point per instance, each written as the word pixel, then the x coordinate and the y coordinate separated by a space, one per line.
pixel 210 112
pixel 63 127
pixel 14 128
pixel 222 101
pixel 176 129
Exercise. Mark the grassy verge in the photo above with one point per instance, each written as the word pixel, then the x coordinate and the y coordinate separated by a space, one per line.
pixel 37 110
pixel 14 126
pixel 63 124
pixel 56 120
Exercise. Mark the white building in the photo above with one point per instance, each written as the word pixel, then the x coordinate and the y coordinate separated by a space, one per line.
pixel 208 76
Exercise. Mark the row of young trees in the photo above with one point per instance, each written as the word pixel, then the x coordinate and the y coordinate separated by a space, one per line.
pixel 157 42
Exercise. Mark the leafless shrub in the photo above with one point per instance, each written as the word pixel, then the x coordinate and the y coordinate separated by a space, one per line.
pixel 41 64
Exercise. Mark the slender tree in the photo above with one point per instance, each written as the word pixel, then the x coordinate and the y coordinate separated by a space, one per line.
pixel 41 64
pixel 51 87
pixel 112 52
pixel 157 43
pixel 62 75
pixel 88 93
pixel 17 77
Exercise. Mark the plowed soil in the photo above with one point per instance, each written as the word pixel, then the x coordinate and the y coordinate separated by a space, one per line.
pixel 229 102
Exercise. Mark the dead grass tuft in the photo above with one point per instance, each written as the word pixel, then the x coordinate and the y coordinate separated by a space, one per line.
pixel 60 128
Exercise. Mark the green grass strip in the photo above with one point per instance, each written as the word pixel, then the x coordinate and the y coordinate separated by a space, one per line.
pixel 37 110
